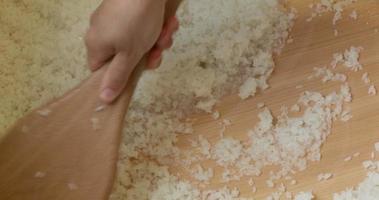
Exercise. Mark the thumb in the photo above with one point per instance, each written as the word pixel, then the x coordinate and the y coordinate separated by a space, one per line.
pixel 117 75
pixel 98 51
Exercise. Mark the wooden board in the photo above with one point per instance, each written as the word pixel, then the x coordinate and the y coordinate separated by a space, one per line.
pixel 313 46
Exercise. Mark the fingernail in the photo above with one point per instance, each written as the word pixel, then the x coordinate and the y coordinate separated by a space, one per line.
pixel 108 95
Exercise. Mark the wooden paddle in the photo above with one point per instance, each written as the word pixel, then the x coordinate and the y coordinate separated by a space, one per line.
pixel 67 149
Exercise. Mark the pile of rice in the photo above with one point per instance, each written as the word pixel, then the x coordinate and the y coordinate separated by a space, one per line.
pixel 335 6
pixel 368 189
pixel 41 52
pixel 221 44
pixel 222 47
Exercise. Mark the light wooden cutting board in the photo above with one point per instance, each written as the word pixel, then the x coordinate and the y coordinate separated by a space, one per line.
pixel 313 46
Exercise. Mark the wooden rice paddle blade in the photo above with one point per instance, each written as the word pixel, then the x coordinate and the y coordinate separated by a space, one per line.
pixel 65 154
pixel 67 149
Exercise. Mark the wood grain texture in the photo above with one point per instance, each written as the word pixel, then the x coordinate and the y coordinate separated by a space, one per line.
pixel 313 46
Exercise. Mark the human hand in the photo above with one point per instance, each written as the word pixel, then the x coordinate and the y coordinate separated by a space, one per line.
pixel 121 32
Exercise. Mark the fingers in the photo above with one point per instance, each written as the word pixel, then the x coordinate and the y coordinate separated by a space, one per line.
pixel 98 52
pixel 170 27
pixel 154 59
pixel 165 41
pixel 116 77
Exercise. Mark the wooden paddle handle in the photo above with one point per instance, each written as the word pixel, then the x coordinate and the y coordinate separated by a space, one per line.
pixel 124 99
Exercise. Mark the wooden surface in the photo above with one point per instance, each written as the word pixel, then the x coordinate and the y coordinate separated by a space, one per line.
pixel 313 46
